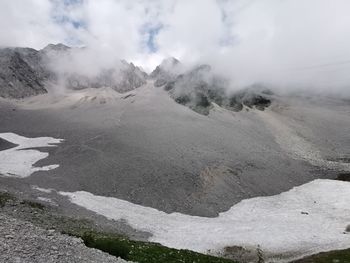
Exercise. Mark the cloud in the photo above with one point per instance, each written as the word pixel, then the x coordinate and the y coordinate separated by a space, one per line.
pixel 27 24
pixel 290 43
pixel 285 43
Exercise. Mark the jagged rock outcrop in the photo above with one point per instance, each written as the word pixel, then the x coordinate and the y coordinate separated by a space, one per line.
pixel 55 48
pixel 20 73
pixel 254 96
pixel 199 88
pixel 193 89
pixel 125 77
pixel 166 72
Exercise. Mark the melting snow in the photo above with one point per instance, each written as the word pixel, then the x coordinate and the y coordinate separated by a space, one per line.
pixel 305 220
pixel 18 161
pixel 44 190
pixel 47 200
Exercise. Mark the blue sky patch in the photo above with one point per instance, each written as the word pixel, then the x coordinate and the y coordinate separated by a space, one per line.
pixel 150 32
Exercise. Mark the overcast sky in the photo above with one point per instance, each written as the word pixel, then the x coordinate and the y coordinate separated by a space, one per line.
pixel 289 42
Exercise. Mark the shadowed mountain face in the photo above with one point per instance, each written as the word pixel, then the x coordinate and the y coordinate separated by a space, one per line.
pixel 199 88
pixel 27 72
pixel 20 75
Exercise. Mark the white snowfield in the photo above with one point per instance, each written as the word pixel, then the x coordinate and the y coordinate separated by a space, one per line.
pixel 18 161
pixel 307 219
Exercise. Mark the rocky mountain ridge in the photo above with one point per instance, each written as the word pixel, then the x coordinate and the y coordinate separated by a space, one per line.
pixel 199 88
pixel 27 72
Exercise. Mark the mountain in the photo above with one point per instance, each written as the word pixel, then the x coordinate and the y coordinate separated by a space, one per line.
pixel 199 89
pixel 55 48
pixel 28 72
pixel 166 72
pixel 124 78
pixel 21 74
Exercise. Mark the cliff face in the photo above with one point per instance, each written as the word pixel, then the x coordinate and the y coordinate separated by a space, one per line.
pixel 20 73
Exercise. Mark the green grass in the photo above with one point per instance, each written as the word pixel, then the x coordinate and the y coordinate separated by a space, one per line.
pixel 143 252
pixel 4 198
pixel 336 256
pixel 33 204
pixel 113 246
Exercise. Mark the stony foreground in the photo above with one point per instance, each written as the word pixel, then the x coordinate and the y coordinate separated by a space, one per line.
pixel 22 242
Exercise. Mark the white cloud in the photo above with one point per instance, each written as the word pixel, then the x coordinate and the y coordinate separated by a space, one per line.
pixel 193 28
pixel 288 42
pixel 282 42
pixel 27 24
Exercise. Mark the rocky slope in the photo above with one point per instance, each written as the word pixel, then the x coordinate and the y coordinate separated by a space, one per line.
pixel 21 241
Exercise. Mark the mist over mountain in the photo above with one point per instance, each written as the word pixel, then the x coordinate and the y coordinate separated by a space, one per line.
pixel 26 72
pixel 199 88
pixel 167 71
pixel 79 68
pixel 58 68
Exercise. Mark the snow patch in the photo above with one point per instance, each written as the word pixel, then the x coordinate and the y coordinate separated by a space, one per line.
pixel 305 220
pixel 47 200
pixel 43 190
pixel 18 161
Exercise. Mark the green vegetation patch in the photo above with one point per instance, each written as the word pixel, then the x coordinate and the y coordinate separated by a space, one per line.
pixel 33 204
pixel 143 252
pixel 336 256
pixel 4 198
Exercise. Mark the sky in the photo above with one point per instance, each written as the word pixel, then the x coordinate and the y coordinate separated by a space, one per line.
pixel 286 42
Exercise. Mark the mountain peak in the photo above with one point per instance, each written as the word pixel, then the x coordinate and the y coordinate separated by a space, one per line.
pixel 166 71
pixel 56 47
pixel 169 62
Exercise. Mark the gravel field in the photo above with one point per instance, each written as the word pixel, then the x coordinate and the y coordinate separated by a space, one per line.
pixel 22 242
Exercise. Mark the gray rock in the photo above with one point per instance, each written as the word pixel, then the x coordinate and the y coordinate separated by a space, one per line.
pixel 21 241
pixel 19 74
pixel 199 88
